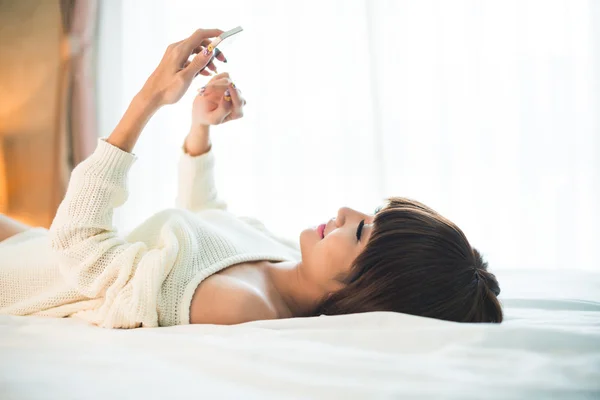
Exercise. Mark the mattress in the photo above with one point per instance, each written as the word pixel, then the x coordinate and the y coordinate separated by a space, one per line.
pixel 547 347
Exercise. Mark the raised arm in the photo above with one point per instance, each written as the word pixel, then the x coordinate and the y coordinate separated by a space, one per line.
pixel 219 101
pixel 196 189
pixel 90 253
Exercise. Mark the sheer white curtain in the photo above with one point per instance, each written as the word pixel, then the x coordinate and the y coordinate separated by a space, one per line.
pixel 486 111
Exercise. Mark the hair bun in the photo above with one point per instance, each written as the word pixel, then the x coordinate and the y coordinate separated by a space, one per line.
pixel 489 280
pixel 483 275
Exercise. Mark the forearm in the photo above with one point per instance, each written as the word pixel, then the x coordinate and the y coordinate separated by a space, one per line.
pixel 196 182
pixel 129 128
pixel 197 141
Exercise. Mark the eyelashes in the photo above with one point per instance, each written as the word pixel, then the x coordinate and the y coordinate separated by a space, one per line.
pixel 359 230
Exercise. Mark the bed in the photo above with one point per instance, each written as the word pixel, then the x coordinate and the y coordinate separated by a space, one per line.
pixel 548 347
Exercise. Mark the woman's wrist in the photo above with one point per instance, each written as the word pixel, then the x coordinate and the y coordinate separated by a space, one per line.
pixel 147 99
pixel 197 141
pixel 129 128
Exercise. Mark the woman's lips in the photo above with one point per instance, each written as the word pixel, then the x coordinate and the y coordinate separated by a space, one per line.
pixel 321 230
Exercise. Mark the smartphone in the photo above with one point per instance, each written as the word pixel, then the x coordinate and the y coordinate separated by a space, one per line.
pixel 216 41
pixel 219 39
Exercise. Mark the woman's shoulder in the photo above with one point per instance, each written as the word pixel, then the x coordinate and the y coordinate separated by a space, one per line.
pixel 224 300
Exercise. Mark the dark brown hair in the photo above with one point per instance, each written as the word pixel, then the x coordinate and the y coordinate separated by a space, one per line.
pixel 418 262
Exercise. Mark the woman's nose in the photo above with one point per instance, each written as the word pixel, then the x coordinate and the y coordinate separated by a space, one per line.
pixel 342 214
pixel 342 211
pixel 347 212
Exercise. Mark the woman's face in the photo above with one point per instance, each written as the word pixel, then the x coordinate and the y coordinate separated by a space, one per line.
pixel 326 261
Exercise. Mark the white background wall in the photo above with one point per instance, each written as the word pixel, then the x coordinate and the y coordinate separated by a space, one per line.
pixel 486 111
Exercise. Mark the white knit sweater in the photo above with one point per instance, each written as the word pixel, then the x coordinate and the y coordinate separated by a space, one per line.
pixel 81 267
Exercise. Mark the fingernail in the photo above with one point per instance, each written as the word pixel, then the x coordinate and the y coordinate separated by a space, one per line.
pixel 201 90
pixel 207 52
pixel 227 95
pixel 218 53
pixel 233 85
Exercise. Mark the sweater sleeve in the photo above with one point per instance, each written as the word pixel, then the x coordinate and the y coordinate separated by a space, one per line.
pixel 91 255
pixel 196 189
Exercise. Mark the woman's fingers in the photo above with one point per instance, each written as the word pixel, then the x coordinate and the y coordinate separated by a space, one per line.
pixel 174 64
pixel 236 112
pixel 235 98
pixel 200 48
pixel 215 87
pixel 218 53
pixel 198 37
pixel 202 72
pixel 212 67
pixel 200 60
pixel 220 76
pixel 222 111
pixel 219 79
pixel 222 99
pixel 232 95
pixel 197 65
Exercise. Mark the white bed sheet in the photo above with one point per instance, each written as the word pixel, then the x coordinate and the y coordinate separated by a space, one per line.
pixel 548 347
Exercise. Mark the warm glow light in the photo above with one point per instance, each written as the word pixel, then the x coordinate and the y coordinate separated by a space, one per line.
pixel 3 184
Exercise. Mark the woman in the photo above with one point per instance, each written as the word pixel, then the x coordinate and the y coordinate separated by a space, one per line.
pixel 199 263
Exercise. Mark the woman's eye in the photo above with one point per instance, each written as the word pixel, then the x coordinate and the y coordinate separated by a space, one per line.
pixel 359 230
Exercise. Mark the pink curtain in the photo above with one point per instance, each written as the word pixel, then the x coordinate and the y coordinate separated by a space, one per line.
pixel 79 22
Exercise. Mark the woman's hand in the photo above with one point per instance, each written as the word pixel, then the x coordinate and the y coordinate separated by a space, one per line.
pixel 173 76
pixel 166 85
pixel 218 102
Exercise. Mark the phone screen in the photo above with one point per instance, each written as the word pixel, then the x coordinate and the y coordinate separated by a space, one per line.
pixel 226 39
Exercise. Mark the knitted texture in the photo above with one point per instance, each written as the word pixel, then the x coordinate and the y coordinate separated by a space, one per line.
pixel 83 268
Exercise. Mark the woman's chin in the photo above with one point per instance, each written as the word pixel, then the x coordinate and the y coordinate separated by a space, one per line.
pixel 310 236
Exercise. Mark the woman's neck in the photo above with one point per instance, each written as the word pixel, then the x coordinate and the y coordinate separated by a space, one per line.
pixel 297 294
